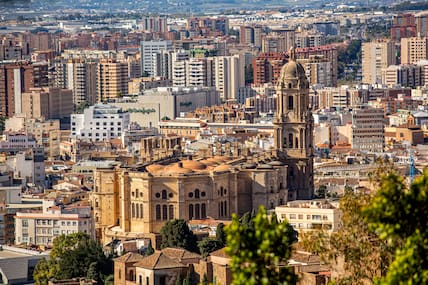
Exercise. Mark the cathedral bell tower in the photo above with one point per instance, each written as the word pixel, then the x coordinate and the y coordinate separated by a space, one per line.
pixel 293 125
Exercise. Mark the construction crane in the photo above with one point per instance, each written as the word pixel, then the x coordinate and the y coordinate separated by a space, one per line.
pixel 411 166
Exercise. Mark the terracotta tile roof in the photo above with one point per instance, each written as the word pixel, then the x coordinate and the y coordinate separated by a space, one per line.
pixel 158 260
pixel 129 257
pixel 179 254
pixel 220 253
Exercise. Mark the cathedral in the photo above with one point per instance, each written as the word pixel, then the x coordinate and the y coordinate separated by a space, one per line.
pixel 136 201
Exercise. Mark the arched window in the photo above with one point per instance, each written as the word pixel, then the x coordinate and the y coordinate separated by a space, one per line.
pixel 296 145
pixel 141 210
pixel 136 193
pixel 171 212
pixel 190 211
pixel 164 195
pixel 203 211
pixel 158 212
pixel 197 193
pixel 221 191
pixel 133 210
pixel 219 213
pixel 225 208
pixel 137 211
pixel 221 209
pixel 301 139
pixel 96 204
pixel 290 140
pixel 197 212
pixel 164 212
pixel 290 102
pixel 131 275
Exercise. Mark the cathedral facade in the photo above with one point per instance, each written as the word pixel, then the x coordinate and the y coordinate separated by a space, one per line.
pixel 133 202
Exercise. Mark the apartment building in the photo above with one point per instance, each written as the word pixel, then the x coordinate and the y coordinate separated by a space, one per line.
pixel 376 56
pixel 47 102
pixel 413 49
pixel 112 80
pixel 307 215
pixel 41 228
pixel 368 129
pixel 149 49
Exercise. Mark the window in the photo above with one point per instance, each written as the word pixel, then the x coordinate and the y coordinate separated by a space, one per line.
pixel 203 210
pixel 158 212
pixel 197 212
pixel 292 216
pixel 133 210
pixel 316 217
pixel 164 195
pixel 171 212
pixel 197 193
pixel 141 210
pixel 300 217
pixel 290 102
pixel 164 212
pixel 190 211
pixel 24 223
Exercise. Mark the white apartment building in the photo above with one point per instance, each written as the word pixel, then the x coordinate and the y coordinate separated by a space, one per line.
pixel 149 49
pixel 413 49
pixel 368 129
pixel 99 122
pixel 17 140
pixel 306 215
pixel 41 228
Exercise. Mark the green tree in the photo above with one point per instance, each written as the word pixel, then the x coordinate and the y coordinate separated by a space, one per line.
pixel 220 234
pixel 208 245
pixel 150 249
pixel 74 255
pixel 176 233
pixel 42 272
pixel 259 249
pixel 400 216
pixel 355 246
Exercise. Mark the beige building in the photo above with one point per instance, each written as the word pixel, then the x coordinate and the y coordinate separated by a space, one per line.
pixel 376 56
pixel 413 50
pixel 368 129
pixel 43 227
pixel 112 80
pixel 304 215
pixel 50 103
pixel 142 200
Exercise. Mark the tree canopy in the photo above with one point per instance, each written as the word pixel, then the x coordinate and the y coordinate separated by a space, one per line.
pixel 400 215
pixel 260 248
pixel 176 233
pixel 74 255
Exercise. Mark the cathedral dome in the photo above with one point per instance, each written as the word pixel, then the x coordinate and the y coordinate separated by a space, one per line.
pixel 193 165
pixel 152 168
pixel 222 168
pixel 176 168
pixel 292 71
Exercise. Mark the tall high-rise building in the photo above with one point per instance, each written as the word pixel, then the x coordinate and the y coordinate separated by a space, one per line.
pixel 267 67
pixel 422 24
pixel 368 129
pixel 16 78
pixel 329 52
pixel 112 80
pixel 149 49
pixel 229 75
pixel 413 49
pixel 251 35
pixel 293 129
pixel 376 56
pixel 403 26
pixel 78 75
pixel 154 24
